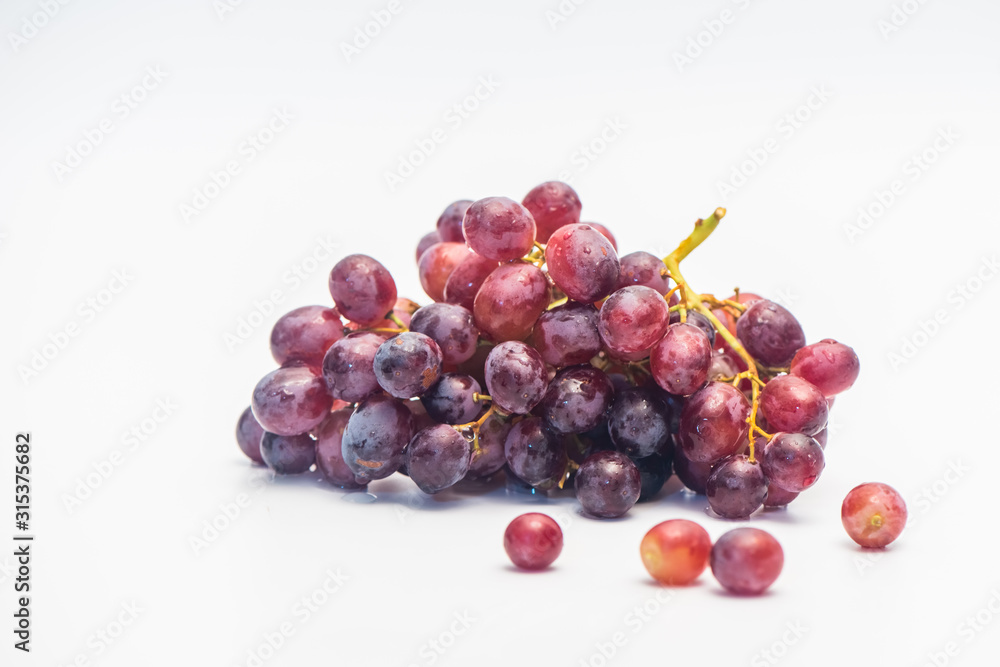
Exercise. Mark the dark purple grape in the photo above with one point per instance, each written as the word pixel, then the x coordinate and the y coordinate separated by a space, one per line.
pixel 499 228
pixel 490 457
pixel 516 378
pixel 746 561
pixel 714 423
pixel 736 488
pixel 305 334
pixel 408 364
pixel 534 453
pixel 426 241
pixel 778 497
pixel 770 333
pixel 375 437
pixel 553 205
pixel 464 282
pixel 693 474
pixel 567 335
pixel 452 328
pixel 452 400
pixel 437 458
pixel 654 471
pixel 633 319
pixel 348 367
pixel 248 435
pixel 449 225
pixel 793 461
pixel 363 290
pixel 510 300
pixel 577 399
pixel 793 405
pixel 437 264
pixel 680 361
pixel 288 454
pixel 639 423
pixel 582 262
pixel 291 400
pixel 329 450
pixel 698 320
pixel 642 268
pixel 608 484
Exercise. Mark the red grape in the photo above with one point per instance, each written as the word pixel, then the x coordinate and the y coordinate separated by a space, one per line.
pixel 736 488
pixel 552 205
pixel 436 265
pixel 362 289
pixel 633 319
pixel 577 399
pixel 792 461
pixel 305 334
pixel 607 484
pixel 451 327
pixel 533 541
pixel 437 458
pixel 499 228
pixel 408 364
pixel 426 241
pixel 582 262
pixel 449 225
pixel 680 361
pixel 714 423
pixel 348 367
pixel 534 453
pixel 831 366
pixel 605 232
pixel 515 377
pixel 746 561
pixel 642 268
pixel 510 300
pixel 874 514
pixel 770 333
pixel 567 334
pixel 248 435
pixel 288 454
pixel 465 281
pixel 793 405
pixel 376 436
pixel 675 552
pixel 329 450
pixel 291 400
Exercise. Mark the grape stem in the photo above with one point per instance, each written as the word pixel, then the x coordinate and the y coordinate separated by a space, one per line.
pixel 476 425
pixel 690 300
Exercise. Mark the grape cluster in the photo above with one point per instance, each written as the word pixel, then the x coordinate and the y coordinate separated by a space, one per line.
pixel 550 359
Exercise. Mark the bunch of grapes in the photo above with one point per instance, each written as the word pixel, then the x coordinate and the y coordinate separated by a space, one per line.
pixel 547 357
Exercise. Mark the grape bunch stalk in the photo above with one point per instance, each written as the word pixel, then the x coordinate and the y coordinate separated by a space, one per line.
pixel 547 358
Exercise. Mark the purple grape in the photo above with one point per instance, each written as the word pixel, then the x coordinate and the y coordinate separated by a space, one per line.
pixel 714 423
pixel 577 399
pixel 778 497
pixel 464 282
pixel 693 474
pixel 451 400
pixel 363 290
pixel 329 450
pixel 793 461
pixel 553 205
pixel 736 488
pixel 534 453
pixel 698 320
pixel 305 334
pixel 567 335
pixel 436 266
pixel 722 366
pixel 582 262
pixel 375 437
pixel 437 458
pixel 642 268
pixel 793 405
pixel 449 225
pixel 452 328
pixel 248 435
pixel 770 333
pixel 639 423
pixel 348 367
pixel 516 378
pixel 510 300
pixel 633 319
pixel 426 241
pixel 746 561
pixel 680 361
pixel 490 457
pixel 408 364
pixel 654 471
pixel 499 228
pixel 288 454
pixel 608 484
pixel 291 400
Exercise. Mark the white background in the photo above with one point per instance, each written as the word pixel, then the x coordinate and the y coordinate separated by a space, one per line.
pixel 413 564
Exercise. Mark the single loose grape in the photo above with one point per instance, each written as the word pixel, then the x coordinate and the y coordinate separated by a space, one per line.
pixel 873 514
pixel 533 541
pixel 746 561
pixel 675 552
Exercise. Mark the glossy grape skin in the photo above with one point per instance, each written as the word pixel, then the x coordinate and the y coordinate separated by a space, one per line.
pixel 633 319
pixel 437 458
pixel 608 484
pixel 567 335
pixel 792 461
pixel 451 400
pixel 605 232
pixel 305 334
pixel 639 423
pixel 680 361
pixel 464 282
pixel 426 241
pixel 248 435
pixel 693 475
pixel 348 367
pixel 499 228
pixel 714 423
pixel 654 471
pixel 291 400
pixel 452 328
pixel 770 333
pixel 821 437
pixel 533 541
pixel 778 497
pixel 697 319
pixel 746 561
pixel 288 454
pixel 490 458
pixel 534 453
pixel 329 450
pixel 375 437
pixel 722 366
pixel 362 289
pixel 577 399
pixel 408 364
pixel 830 366
pixel 552 205
pixel 449 224
pixel 516 378
pixel 582 262
pixel 676 552
pixel 873 514
pixel 510 300
pixel 791 404
pixel 436 266
pixel 643 268
pixel 736 488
